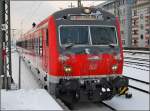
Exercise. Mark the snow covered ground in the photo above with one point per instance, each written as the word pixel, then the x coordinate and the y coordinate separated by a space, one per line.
pixel 136 73
pixel 30 96
pixel 139 85
pixel 37 99
pixel 28 80
pixel 139 101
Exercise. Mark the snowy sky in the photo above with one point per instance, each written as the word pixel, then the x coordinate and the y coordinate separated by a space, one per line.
pixel 24 13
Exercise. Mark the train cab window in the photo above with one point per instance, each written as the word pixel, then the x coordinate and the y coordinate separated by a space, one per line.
pixel 47 37
pixel 74 34
pixel 103 35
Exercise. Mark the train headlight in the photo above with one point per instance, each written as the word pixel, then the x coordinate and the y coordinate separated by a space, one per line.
pixel 67 69
pixel 114 67
pixel 87 11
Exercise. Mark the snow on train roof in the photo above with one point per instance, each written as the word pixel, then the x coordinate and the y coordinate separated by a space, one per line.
pixel 81 10
pixel 59 15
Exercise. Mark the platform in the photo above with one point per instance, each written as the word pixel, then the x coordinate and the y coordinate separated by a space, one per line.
pixel 23 99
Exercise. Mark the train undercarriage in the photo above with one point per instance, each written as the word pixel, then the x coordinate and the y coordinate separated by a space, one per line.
pixel 95 90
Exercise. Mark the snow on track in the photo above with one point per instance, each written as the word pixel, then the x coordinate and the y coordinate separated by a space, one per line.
pixel 139 101
pixel 136 73
pixel 137 59
pixel 137 67
pixel 140 85
pixel 37 99
pixel 142 56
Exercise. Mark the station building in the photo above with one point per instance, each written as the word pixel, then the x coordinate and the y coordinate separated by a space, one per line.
pixel 141 24
pixel 122 9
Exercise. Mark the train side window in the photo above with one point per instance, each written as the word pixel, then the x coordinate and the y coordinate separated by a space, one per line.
pixel 40 46
pixel 32 43
pixel 36 46
pixel 26 44
pixel 47 37
pixel 23 44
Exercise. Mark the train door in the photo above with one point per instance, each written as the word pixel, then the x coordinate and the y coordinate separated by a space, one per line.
pixel 45 49
pixel 40 48
pixel 36 49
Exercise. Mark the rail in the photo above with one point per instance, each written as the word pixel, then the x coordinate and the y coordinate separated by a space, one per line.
pixel 136 51
pixel 142 90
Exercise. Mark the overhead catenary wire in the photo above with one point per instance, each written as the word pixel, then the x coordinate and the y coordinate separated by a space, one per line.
pixel 35 8
pixel 29 10
pixel 35 11
pixel 27 19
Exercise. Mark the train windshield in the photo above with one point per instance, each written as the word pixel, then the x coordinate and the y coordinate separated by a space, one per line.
pixel 103 35
pixel 74 34
pixel 87 35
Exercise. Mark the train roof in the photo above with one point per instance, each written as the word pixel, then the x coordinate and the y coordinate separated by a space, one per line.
pixel 80 11
pixel 74 11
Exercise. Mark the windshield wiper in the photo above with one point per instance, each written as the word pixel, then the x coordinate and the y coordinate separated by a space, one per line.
pixel 111 45
pixel 69 45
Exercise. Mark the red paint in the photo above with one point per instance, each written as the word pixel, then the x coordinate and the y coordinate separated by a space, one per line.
pixel 80 64
pixel 120 42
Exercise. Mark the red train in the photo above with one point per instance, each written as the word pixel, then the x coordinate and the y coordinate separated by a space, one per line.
pixel 77 53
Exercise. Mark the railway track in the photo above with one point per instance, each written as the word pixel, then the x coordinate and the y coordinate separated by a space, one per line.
pixel 91 106
pixel 140 85
pixel 136 52
pixel 110 107
pixel 137 68
pixel 62 104
pixel 139 59
pixel 137 63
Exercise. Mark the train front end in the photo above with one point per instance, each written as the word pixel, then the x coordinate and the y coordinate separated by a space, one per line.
pixel 90 57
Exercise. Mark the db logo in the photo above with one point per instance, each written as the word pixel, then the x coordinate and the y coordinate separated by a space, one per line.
pixel 93 66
